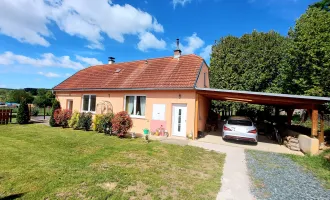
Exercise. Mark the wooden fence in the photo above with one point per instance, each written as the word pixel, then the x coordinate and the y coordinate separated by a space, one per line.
pixel 5 115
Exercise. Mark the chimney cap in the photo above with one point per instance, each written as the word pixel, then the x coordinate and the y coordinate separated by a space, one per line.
pixel 177 44
pixel 111 60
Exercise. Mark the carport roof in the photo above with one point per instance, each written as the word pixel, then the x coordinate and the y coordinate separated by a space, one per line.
pixel 285 100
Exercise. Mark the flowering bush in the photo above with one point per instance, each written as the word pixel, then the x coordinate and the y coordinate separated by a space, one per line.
pixel 61 117
pixel 121 123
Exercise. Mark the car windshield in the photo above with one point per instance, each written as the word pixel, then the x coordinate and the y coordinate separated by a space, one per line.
pixel 239 122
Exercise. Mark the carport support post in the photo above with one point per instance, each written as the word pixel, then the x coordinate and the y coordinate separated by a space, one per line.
pixel 321 135
pixel 289 112
pixel 196 118
pixel 314 121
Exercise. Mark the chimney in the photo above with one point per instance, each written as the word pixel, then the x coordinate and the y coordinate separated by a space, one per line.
pixel 111 60
pixel 177 51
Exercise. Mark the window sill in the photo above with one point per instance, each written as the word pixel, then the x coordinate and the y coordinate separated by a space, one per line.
pixel 137 117
pixel 85 111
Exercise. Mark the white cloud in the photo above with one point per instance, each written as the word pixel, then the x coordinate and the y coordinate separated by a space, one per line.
pixel 206 51
pixel 49 74
pixel 27 22
pixel 2 86
pixel 149 41
pixel 46 60
pixel 89 61
pixel 193 43
pixel 67 74
pixel 181 2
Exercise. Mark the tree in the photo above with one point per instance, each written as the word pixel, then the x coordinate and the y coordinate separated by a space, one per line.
pixel 56 105
pixel 15 96
pixel 3 95
pixel 308 65
pixel 33 91
pixel 250 62
pixel 324 5
pixel 23 116
pixel 44 98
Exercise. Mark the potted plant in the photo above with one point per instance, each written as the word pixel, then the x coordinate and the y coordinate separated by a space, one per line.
pixel 146 134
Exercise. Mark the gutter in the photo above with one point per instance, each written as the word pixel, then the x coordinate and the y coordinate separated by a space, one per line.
pixel 120 89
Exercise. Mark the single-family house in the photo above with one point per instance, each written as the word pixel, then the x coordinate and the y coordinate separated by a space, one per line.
pixel 159 92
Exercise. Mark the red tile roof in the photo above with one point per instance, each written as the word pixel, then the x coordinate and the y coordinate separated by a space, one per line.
pixel 158 73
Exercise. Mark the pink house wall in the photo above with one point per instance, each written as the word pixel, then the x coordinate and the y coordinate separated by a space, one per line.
pixel 155 124
pixel 200 82
pixel 152 97
pixel 203 111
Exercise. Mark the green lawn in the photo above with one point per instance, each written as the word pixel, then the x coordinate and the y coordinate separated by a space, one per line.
pixel 39 162
pixel 318 165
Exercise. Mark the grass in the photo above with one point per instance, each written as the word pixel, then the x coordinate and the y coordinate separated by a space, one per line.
pixel 40 162
pixel 318 165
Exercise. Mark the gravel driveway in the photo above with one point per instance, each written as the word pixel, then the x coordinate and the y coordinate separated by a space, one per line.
pixel 275 176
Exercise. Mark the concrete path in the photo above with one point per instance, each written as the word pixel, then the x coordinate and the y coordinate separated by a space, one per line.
pixel 235 180
pixel 263 144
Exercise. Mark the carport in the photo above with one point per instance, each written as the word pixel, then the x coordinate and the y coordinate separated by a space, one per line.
pixel 285 101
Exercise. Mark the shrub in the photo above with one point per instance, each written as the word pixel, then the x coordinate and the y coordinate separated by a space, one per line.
pixel 96 123
pixel 101 120
pixel 56 105
pixel 34 111
pixel 85 121
pixel 296 119
pixel 61 117
pixel 121 123
pixel 23 113
pixel 73 121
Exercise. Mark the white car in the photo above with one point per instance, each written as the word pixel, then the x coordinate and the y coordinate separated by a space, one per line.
pixel 240 128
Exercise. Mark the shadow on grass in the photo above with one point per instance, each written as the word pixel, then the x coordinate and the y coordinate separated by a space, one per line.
pixel 13 196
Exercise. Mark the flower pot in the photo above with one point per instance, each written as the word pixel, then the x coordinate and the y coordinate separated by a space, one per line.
pixel 145 131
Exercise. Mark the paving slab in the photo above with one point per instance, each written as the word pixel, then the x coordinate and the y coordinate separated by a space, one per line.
pixel 235 183
pixel 264 144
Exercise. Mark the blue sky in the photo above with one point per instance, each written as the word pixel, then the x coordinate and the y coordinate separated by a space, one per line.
pixel 42 42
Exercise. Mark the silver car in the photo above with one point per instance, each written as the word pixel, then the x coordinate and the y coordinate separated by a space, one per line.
pixel 240 128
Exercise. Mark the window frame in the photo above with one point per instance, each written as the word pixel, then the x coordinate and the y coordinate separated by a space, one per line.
pixel 89 103
pixel 135 99
pixel 68 103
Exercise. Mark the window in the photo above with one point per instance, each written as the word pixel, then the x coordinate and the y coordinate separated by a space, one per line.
pixel 89 103
pixel 204 79
pixel 240 122
pixel 135 105
pixel 69 104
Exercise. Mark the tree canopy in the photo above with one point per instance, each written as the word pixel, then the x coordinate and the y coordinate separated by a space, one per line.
pixel 308 55
pixel 15 96
pixel 269 62
pixel 44 98
pixel 250 62
pixel 324 5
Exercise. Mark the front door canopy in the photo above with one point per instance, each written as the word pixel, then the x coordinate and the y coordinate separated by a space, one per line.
pixel 263 98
